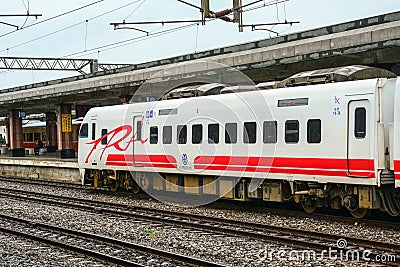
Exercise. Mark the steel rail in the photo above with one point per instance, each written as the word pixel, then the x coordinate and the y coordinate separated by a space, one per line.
pixel 270 233
pixel 79 250
pixel 157 252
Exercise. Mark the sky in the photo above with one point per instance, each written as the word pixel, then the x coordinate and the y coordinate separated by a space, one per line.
pixel 81 29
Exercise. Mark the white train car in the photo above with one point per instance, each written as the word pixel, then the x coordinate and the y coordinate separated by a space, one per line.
pixel 321 145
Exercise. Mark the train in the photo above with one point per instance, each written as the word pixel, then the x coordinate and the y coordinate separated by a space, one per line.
pixel 322 139
pixel 34 129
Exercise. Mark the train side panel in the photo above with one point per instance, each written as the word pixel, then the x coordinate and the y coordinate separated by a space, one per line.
pixel 338 157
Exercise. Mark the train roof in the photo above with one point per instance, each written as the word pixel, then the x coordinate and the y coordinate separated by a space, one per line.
pixel 38 123
pixel 339 74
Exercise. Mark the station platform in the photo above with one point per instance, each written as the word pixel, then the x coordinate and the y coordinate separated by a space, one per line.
pixel 43 167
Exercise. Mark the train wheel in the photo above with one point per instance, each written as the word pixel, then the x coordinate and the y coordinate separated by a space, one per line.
pixel 114 186
pixel 135 188
pixel 309 206
pixel 359 213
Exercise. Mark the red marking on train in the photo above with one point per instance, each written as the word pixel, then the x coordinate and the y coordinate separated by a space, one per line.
pixel 397 169
pixel 115 142
pixel 159 161
pixel 141 158
pixel 322 163
pixel 304 166
pixel 127 163
pixel 286 171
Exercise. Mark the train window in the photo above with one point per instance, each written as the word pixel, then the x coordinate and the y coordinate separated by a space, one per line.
pixel 213 133
pixel 103 133
pixel 182 134
pixel 37 136
pixel 249 133
pixel 167 135
pixel 170 111
pixel 360 123
pixel 93 131
pixel 153 135
pixel 29 137
pixel 197 133
pixel 138 130
pixel 293 102
pixel 292 131
pixel 270 132
pixel 231 133
pixel 84 132
pixel 314 131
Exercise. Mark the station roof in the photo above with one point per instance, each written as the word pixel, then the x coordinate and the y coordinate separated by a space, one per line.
pixel 373 41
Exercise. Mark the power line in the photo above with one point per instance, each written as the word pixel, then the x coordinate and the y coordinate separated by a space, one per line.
pixel 149 35
pixel 68 27
pixel 164 32
pixel 130 41
pixel 57 16
pixel 136 8
pixel 27 11
pixel 23 2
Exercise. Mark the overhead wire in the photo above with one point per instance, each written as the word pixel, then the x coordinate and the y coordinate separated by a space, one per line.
pixel 69 27
pixel 54 17
pixel 136 8
pixel 130 41
pixel 150 35
pixel 27 12
pixel 160 33
pixel 23 2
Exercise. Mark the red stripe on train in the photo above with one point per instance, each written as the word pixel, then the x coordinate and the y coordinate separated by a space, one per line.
pixel 141 158
pixel 127 164
pixel 320 163
pixel 305 166
pixel 322 172
pixel 397 169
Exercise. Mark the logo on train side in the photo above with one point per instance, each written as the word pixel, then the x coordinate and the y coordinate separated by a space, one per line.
pixel 336 109
pixel 150 114
pixel 119 143
pixel 184 159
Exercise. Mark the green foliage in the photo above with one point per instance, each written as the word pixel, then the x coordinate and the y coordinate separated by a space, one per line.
pixel 148 231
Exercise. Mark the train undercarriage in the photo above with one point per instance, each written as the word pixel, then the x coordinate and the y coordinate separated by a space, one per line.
pixel 358 200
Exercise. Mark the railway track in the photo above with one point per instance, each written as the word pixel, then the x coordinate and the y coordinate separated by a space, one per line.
pixel 298 238
pixel 92 245
pixel 389 223
pixel 50 183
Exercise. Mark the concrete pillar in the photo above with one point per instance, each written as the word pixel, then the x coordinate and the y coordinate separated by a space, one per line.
pixel 51 131
pixel 8 132
pixel 16 135
pixel 64 132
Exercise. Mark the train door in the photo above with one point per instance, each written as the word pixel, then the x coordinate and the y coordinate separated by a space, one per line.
pixel 359 138
pixel 137 134
pixel 93 136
